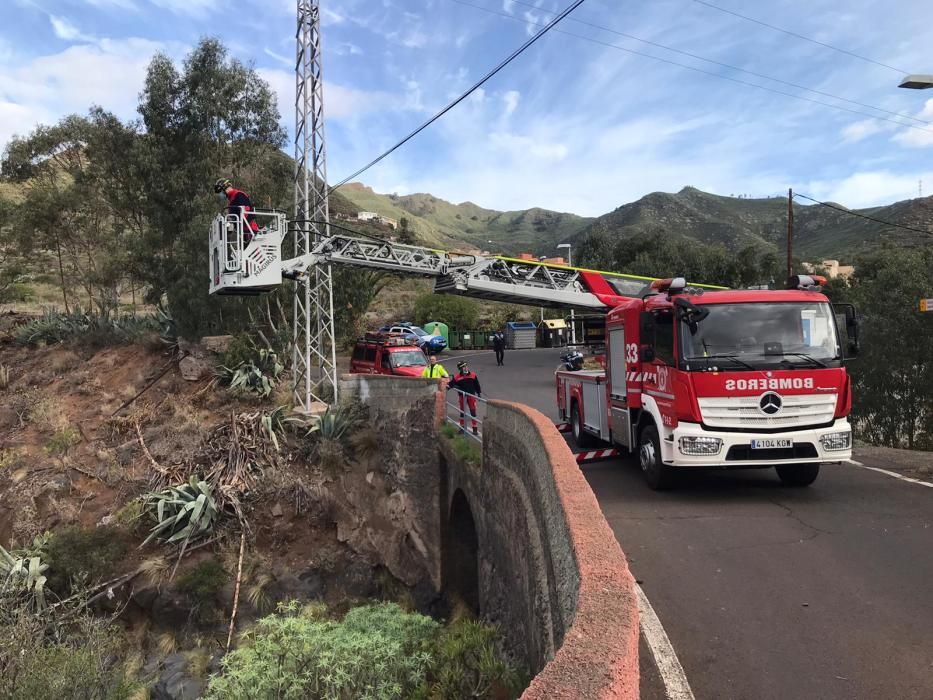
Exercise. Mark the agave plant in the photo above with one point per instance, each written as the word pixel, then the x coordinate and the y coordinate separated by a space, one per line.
pixel 257 376
pixel 182 513
pixel 23 575
pixel 334 424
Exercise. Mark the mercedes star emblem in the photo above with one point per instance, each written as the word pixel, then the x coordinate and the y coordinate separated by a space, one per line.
pixel 770 403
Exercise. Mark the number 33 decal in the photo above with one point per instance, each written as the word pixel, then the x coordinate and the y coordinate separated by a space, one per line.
pixel 631 353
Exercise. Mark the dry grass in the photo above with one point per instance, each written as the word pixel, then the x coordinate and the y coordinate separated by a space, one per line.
pixel 166 643
pixel 155 570
pixel 47 416
pixel 5 378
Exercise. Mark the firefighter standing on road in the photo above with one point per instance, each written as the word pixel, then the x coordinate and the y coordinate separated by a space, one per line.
pixel 435 370
pixel 468 385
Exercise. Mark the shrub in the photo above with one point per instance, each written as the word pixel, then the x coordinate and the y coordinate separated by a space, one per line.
pixel 456 312
pixel 184 512
pixel 60 444
pixel 468 664
pixel 202 584
pixel 43 658
pixel 93 327
pixel 84 555
pixel 377 651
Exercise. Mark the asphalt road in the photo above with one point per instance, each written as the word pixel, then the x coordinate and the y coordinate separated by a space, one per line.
pixel 765 591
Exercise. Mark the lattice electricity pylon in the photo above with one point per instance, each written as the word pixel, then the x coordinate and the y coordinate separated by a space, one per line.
pixel 314 354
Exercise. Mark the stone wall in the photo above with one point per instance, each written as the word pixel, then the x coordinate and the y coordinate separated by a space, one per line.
pixel 393 513
pixel 550 570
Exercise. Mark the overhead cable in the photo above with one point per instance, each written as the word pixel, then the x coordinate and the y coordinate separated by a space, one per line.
pixel 801 36
pixel 700 70
pixel 728 65
pixel 511 57
pixel 850 212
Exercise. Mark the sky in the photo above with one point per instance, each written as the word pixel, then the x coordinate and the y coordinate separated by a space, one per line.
pixel 574 124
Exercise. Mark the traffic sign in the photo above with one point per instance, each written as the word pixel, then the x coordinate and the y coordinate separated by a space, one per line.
pixel 926 304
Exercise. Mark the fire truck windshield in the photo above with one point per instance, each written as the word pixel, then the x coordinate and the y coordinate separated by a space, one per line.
pixel 757 336
pixel 408 358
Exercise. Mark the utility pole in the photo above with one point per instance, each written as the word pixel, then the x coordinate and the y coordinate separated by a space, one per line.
pixel 314 360
pixel 790 233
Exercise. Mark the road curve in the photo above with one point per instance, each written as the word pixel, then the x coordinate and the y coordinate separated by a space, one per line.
pixel 764 591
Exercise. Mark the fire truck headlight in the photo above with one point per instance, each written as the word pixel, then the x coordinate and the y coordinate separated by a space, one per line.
pixel 836 441
pixel 698 445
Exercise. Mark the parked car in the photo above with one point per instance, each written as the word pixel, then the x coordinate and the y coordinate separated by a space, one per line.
pixel 428 343
pixel 387 353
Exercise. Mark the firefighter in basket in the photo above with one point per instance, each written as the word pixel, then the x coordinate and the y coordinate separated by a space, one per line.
pixel 467 384
pixel 239 204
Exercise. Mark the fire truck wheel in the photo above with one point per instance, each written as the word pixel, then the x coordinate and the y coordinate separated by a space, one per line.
pixel 658 475
pixel 580 436
pixel 798 474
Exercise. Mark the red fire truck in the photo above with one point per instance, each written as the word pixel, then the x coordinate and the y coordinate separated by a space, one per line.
pixel 721 379
pixel 695 377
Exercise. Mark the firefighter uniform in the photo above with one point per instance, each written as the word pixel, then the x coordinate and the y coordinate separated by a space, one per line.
pixel 468 385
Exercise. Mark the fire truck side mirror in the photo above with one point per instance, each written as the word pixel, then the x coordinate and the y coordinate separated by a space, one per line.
pixel 647 353
pixel 852 323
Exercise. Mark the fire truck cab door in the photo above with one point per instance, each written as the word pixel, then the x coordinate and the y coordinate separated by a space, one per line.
pixel 619 416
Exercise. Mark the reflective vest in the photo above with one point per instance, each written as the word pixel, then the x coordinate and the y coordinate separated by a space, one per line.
pixel 435 371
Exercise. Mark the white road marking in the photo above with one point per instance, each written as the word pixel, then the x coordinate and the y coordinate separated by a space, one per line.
pixel 890 473
pixel 672 673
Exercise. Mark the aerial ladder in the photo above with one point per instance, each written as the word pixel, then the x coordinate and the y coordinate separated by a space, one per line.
pixel 245 264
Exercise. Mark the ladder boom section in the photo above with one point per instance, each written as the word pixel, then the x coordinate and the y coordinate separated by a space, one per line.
pixel 246 268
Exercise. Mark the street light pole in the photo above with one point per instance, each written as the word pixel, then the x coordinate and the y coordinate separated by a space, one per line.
pixel 573 318
pixel 917 82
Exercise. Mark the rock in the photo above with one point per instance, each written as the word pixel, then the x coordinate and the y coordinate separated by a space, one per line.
pixel 145 597
pixel 173 684
pixel 356 580
pixel 106 520
pixel 309 586
pixel 193 368
pixel 214 665
pixel 171 609
pixel 277 511
pixel 217 344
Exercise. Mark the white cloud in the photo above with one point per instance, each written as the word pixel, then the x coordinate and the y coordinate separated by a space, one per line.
pixel 511 99
pixel 508 6
pixel 109 73
pixel 122 4
pixel 340 102
pixel 867 189
pixel 192 8
pixel 329 17
pixel 919 138
pixel 526 147
pixel 346 48
pixel 860 130
pixel 279 57
pixel 65 30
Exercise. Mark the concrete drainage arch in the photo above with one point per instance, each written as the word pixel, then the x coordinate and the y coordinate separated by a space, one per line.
pixel 461 552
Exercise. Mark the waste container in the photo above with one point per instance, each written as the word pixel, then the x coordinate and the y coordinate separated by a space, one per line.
pixel 454 340
pixel 466 340
pixel 438 328
pixel 520 335
pixel 552 333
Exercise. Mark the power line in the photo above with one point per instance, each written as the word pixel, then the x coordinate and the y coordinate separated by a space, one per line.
pixel 699 70
pixel 727 65
pixel 863 216
pixel 515 54
pixel 801 36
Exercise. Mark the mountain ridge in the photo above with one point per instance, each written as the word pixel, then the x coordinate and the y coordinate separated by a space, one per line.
pixel 820 232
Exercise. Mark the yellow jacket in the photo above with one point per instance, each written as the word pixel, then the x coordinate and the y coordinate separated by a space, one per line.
pixel 435 371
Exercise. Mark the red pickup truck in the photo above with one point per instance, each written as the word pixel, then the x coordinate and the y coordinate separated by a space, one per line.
pixel 387 353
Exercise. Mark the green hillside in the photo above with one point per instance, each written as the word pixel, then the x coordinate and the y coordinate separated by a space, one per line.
pixel 435 220
pixel 819 232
